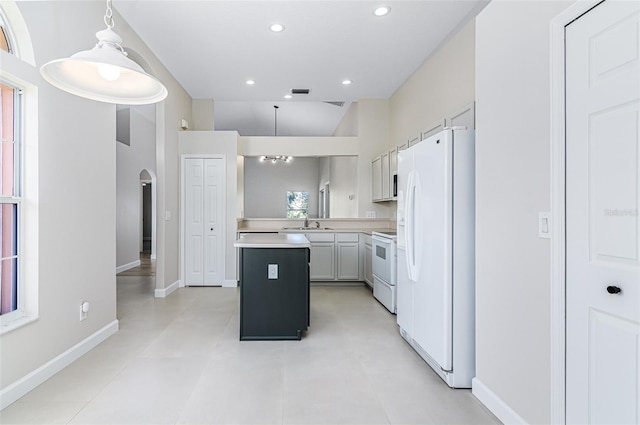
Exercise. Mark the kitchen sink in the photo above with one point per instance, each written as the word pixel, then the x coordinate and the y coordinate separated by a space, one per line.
pixel 306 228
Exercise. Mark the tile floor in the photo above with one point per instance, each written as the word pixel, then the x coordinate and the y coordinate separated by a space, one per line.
pixel 179 361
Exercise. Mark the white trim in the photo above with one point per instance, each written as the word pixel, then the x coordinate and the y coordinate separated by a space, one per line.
pixel 495 404
pixel 558 242
pixel 128 266
pixel 165 292
pixel 28 382
pixel 153 256
pixel 229 283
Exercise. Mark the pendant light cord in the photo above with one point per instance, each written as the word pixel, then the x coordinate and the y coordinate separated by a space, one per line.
pixel 108 16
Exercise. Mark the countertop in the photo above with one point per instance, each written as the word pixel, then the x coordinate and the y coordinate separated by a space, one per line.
pixel 298 231
pixel 273 240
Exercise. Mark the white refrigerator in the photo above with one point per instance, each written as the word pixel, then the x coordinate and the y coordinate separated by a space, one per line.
pixel 436 256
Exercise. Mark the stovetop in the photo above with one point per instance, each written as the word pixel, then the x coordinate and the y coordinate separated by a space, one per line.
pixel 385 232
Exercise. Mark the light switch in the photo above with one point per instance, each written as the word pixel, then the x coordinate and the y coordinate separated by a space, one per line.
pixel 273 271
pixel 544 225
pixel 167 215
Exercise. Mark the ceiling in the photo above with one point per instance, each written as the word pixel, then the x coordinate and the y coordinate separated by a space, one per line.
pixel 213 47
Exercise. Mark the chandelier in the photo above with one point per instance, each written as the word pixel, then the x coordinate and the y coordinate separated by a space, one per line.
pixel 276 158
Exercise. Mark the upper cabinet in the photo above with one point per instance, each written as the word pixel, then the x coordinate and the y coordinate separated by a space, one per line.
pixel 385 166
pixel 376 179
pixel 465 117
pixel 383 169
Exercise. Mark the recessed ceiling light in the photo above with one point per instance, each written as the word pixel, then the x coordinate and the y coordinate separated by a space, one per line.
pixel 382 10
pixel 250 82
pixel 287 96
pixel 277 27
pixel 346 82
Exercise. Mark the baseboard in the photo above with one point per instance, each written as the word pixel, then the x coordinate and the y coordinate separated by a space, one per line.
pixel 165 292
pixel 495 404
pixel 28 382
pixel 230 283
pixel 126 267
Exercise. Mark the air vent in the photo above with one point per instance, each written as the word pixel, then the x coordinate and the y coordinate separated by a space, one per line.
pixel 300 91
pixel 339 104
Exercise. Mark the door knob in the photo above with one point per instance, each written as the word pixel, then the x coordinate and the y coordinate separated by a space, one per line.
pixel 613 289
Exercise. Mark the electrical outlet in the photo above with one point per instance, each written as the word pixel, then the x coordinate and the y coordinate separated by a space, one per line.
pixel 273 271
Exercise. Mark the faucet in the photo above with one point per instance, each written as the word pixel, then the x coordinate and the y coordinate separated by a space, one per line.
pixel 317 225
pixel 306 222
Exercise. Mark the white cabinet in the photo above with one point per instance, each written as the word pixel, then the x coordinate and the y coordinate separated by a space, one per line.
pixel 382 175
pixel 393 172
pixel 414 141
pixel 322 258
pixel 347 256
pixel 368 269
pixel 376 179
pixel 386 176
pixel 335 256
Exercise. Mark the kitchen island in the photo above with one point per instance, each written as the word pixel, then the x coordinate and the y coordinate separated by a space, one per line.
pixel 274 286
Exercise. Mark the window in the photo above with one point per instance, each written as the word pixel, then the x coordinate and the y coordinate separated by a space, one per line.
pixel 10 197
pixel 5 43
pixel 297 204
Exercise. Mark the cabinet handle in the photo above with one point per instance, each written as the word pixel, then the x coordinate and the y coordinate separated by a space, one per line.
pixel 613 290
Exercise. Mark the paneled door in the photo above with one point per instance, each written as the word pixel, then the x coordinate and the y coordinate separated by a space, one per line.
pixel 204 224
pixel 602 221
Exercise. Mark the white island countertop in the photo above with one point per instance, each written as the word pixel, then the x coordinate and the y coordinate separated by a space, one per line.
pixel 273 240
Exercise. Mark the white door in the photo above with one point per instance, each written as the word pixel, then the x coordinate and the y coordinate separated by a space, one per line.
pixel 602 221
pixel 204 227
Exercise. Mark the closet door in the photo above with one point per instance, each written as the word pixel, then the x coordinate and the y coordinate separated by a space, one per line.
pixel 204 226
pixel 213 222
pixel 194 221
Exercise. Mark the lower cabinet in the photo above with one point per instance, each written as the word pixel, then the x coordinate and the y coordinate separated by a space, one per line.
pixel 367 260
pixel 322 261
pixel 334 256
pixel 323 256
pixel 348 253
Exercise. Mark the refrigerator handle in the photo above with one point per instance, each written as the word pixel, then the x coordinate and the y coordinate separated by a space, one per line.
pixel 416 205
pixel 410 226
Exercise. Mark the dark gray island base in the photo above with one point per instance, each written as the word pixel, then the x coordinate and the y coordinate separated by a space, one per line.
pixel 274 286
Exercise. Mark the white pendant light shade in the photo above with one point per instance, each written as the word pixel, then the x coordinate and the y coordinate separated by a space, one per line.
pixel 105 74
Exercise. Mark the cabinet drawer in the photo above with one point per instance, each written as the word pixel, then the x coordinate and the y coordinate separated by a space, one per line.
pixel 347 237
pixel 320 237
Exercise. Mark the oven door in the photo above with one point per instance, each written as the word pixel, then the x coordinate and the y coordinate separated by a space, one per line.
pixel 381 262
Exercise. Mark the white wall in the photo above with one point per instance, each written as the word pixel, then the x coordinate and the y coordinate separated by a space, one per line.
pixel 266 185
pixel 223 143
pixel 202 114
pixel 240 189
pixel 512 186
pixel 74 196
pixel 441 86
pixel 169 114
pixel 130 161
pixel 369 119
pixel 297 146
pixel 343 190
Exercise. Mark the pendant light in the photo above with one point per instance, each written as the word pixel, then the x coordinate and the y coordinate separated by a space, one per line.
pixel 105 73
